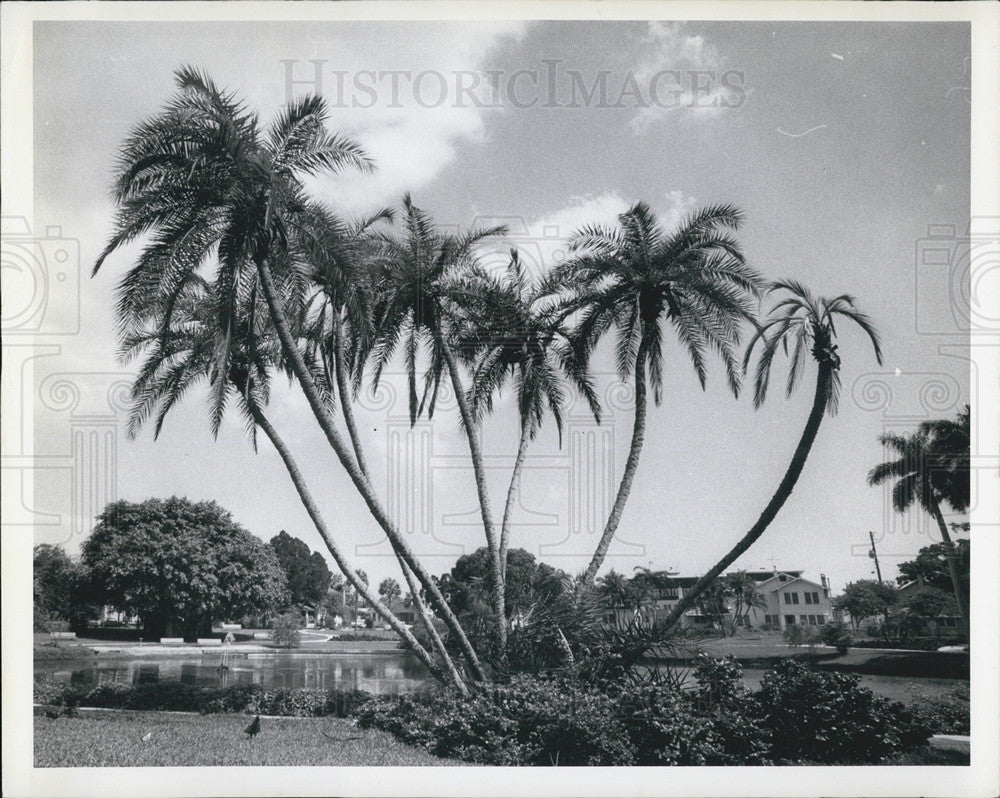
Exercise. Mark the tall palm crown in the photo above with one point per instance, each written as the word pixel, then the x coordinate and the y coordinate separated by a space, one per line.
pixel 636 278
pixel 341 308
pixel 207 181
pixel 922 478
pixel 808 323
pixel 516 331
pixel 636 275
pixel 422 281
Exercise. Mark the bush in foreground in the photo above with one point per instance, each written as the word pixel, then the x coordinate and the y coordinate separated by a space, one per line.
pixel 797 716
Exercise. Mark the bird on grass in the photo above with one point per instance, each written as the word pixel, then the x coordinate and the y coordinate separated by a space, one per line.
pixel 254 727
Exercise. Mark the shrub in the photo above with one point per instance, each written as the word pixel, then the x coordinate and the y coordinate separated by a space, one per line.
pixel 947 714
pixel 800 635
pixel 830 718
pixel 175 696
pixel 838 636
pixel 531 721
pixel 285 632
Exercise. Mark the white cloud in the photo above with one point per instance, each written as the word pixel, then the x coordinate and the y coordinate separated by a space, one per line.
pixel 413 111
pixel 681 73
pixel 543 243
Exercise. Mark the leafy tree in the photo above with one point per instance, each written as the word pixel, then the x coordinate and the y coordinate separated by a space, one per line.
pixel 179 564
pixel 468 581
pixel 55 578
pixel 307 573
pixel 389 590
pixel 866 598
pixel 638 278
pixel 928 472
pixel 927 604
pixel 803 323
pixel 931 566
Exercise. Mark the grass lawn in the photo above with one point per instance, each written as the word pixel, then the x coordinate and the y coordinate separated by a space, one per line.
pixel 114 739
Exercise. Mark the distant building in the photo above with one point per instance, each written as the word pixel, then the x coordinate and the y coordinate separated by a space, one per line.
pixel 790 598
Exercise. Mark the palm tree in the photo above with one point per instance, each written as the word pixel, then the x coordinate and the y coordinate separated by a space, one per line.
pixel 918 472
pixel 804 323
pixel 211 185
pixel 638 278
pixel 181 354
pixel 341 311
pixel 951 449
pixel 426 277
pixel 516 331
pixel 745 596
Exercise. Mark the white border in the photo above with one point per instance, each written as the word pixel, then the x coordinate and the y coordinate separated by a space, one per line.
pixel 19 778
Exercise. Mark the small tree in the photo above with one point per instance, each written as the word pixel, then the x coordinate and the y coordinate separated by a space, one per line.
pixel 285 631
pixel 866 598
pixel 389 590
pixel 307 572
pixel 837 635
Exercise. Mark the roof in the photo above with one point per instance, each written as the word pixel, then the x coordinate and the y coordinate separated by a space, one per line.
pixel 779 584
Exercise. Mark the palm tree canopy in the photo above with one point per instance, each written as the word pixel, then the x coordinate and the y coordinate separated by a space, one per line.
pixel 636 275
pixel 424 279
pixel 215 194
pixel 928 470
pixel 516 330
pixel 949 458
pixel 804 322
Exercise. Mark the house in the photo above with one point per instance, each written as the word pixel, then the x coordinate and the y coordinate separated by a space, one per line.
pixel 941 624
pixel 791 600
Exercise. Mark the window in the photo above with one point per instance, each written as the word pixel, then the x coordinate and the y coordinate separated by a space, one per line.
pixel 815 596
pixel 804 619
pixel 788 598
pixel 812 620
pixel 782 578
pixel 795 598
pixel 821 620
pixel 789 620
pixel 809 598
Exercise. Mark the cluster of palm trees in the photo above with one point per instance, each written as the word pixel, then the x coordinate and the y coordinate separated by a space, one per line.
pixel 243 276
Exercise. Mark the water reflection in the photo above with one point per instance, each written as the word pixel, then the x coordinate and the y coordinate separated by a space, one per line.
pixel 388 674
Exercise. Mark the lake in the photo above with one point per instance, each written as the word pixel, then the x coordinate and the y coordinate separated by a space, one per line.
pixel 389 674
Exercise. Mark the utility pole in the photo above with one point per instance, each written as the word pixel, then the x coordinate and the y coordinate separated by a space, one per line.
pixel 874 555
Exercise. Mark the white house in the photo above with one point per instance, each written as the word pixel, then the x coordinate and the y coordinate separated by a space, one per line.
pixel 792 600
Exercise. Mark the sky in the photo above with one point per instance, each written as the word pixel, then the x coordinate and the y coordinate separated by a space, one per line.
pixel 843 144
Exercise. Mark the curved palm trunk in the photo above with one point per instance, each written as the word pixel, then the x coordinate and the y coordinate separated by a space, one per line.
pixel 471 430
pixel 690 597
pixel 364 487
pixel 446 676
pixel 952 556
pixel 343 387
pixel 512 490
pixel 631 465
